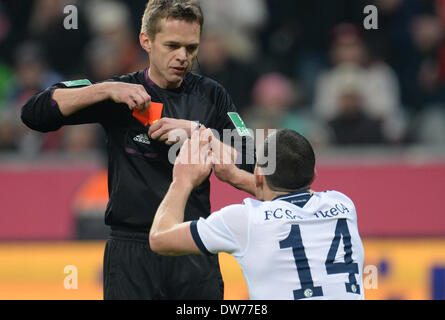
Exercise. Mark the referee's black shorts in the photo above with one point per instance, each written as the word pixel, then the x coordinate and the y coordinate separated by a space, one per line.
pixel 133 272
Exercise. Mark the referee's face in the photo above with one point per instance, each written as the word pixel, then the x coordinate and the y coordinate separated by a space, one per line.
pixel 172 51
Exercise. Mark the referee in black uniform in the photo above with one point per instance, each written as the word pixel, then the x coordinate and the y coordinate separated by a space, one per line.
pixel 139 170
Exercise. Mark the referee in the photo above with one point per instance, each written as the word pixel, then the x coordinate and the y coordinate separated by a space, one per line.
pixel 139 170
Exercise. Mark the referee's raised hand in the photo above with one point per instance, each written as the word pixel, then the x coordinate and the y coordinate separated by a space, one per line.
pixel 133 95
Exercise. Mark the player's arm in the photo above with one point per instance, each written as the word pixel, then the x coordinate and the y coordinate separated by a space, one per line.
pixel 225 169
pixel 169 235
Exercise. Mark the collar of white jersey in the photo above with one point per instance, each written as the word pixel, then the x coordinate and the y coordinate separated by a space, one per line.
pixel 299 198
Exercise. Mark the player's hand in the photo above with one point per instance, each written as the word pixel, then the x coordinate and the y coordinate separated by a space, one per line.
pixel 223 160
pixel 133 95
pixel 171 131
pixel 194 162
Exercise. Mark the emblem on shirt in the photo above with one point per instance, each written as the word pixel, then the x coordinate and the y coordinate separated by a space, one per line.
pixel 142 138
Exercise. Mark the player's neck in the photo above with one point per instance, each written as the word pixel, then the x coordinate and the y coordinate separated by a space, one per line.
pixel 270 195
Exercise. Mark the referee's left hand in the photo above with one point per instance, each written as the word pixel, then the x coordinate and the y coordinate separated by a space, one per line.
pixel 171 131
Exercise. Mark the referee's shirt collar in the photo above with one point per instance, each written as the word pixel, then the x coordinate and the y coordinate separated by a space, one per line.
pixel 150 83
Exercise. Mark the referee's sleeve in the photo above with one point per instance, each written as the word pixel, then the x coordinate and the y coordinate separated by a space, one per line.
pixel 245 145
pixel 41 112
pixel 212 235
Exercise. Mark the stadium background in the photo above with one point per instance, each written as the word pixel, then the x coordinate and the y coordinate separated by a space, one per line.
pixel 371 101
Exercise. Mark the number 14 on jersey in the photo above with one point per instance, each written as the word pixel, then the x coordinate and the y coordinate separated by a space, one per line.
pixel 308 290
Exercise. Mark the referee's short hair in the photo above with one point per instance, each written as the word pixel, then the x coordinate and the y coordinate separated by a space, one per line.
pixel 295 161
pixel 187 10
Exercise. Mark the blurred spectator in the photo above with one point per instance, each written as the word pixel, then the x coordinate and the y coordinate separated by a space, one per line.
pixel 279 37
pixel 275 99
pixel 399 68
pixel 408 34
pixel 240 21
pixel 378 84
pixel 428 36
pixel 429 127
pixel 352 125
pixel 112 28
pixel 427 33
pixel 102 60
pixel 296 38
pixel 6 78
pixel 431 87
pixel 216 62
pixel 32 74
pixel 80 141
pixel 135 8
pixel 14 17
pixel 9 133
pixel 441 14
pixel 62 46
pixel 5 71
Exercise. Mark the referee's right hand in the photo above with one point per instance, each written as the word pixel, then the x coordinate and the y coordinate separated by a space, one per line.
pixel 133 95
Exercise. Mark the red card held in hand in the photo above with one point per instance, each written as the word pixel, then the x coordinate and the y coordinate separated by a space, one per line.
pixel 153 114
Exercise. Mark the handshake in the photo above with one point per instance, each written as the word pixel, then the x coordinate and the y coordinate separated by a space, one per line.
pixel 199 155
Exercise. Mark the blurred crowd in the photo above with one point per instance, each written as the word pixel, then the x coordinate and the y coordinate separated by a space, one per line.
pixel 305 65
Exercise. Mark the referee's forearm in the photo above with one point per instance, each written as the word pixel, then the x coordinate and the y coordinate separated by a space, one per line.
pixel 72 100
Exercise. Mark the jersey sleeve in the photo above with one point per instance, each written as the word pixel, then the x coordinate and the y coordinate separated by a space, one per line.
pixel 245 145
pixel 223 231
pixel 41 112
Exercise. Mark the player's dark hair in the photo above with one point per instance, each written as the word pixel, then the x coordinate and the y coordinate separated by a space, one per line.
pixel 187 10
pixel 295 162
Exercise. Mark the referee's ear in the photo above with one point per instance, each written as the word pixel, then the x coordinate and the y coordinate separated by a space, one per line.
pixel 145 42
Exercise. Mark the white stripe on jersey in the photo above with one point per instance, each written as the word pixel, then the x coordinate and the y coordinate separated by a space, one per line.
pixel 291 252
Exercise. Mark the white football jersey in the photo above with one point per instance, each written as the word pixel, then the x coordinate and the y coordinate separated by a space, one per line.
pixel 298 246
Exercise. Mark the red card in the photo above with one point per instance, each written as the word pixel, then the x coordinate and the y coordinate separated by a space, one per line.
pixel 153 114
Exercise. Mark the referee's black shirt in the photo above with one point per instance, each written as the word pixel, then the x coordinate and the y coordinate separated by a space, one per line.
pixel 139 172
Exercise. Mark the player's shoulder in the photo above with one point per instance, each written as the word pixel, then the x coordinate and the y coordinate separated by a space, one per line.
pixel 252 203
pixel 243 207
pixel 234 207
pixel 228 214
pixel 336 195
pixel 229 210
